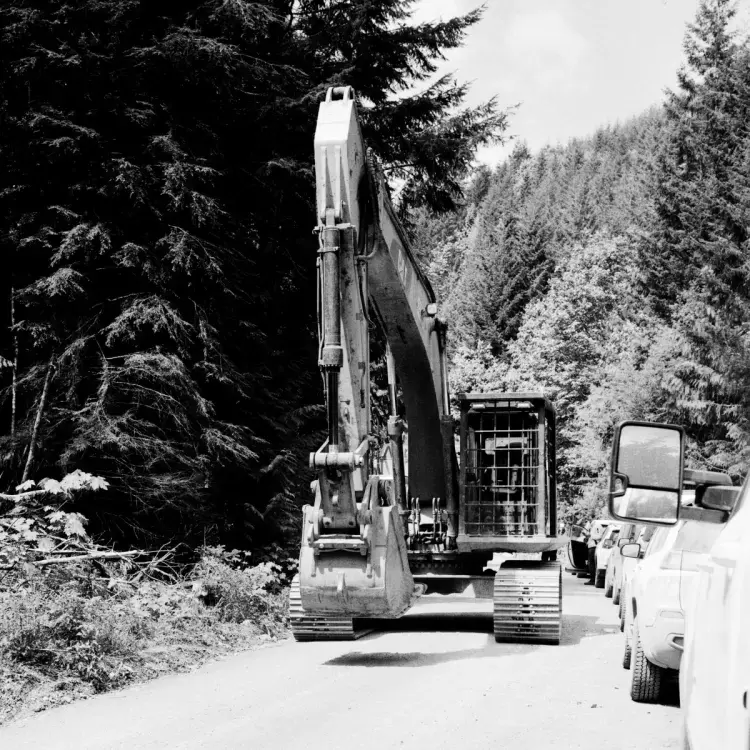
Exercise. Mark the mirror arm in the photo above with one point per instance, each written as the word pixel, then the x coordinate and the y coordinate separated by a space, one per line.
pixel 707 478
pixel 624 481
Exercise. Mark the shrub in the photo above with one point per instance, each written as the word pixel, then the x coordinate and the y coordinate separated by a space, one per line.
pixel 241 593
pixel 64 631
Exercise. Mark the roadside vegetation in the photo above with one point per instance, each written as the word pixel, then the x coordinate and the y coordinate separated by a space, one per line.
pixel 78 619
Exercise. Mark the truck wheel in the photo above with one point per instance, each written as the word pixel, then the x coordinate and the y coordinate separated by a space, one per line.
pixel 599 580
pixel 647 677
pixel 627 654
pixel 615 596
pixel 622 614
pixel 608 590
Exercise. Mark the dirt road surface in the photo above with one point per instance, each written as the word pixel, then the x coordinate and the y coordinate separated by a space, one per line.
pixel 435 679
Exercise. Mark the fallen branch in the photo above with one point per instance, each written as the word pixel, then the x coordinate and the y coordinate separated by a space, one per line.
pixel 22 495
pixel 89 556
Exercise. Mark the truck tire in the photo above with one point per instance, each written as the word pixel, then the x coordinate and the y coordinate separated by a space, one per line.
pixel 647 677
pixel 622 614
pixel 608 590
pixel 599 580
pixel 616 596
pixel 627 655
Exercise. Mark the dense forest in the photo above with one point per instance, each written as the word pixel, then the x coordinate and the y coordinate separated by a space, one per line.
pixel 159 388
pixel 158 299
pixel 612 273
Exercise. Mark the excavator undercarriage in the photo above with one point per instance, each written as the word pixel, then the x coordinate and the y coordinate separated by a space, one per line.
pixel 385 530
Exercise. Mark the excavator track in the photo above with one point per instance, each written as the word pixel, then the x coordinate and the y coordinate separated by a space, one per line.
pixel 527 605
pixel 319 627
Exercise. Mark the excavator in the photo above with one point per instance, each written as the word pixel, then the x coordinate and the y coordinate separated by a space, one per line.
pixel 373 542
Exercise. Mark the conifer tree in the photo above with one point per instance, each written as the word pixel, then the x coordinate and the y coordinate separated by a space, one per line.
pixel 701 246
pixel 156 207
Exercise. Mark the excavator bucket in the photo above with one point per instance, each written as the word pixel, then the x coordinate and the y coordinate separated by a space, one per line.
pixel 357 575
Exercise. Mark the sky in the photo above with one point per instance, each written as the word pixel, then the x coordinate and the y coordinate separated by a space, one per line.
pixel 571 65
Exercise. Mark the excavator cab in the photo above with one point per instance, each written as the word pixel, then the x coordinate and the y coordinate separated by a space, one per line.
pixel 507 467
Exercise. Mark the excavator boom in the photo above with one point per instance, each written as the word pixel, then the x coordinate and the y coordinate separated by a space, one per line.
pixel 354 560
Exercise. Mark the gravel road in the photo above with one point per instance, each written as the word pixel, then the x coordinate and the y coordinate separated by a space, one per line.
pixel 435 679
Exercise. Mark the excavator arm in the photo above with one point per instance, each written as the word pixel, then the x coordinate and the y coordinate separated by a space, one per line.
pixel 353 560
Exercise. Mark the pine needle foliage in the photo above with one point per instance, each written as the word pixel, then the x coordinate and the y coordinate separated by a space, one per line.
pixel 699 252
pixel 157 198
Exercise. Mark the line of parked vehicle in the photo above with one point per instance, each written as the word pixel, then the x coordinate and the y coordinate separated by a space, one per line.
pixel 681 578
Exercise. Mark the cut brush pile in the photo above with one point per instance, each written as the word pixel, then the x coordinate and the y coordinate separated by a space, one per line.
pixel 77 618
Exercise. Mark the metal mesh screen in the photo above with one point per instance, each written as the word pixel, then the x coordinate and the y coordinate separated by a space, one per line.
pixel 502 473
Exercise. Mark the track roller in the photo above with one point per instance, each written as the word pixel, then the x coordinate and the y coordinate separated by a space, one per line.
pixel 528 602
pixel 319 627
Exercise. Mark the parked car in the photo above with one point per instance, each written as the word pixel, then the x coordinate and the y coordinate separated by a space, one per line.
pixel 603 551
pixel 615 564
pixel 643 538
pixel 578 553
pixel 715 671
pixel 664 579
pixel 628 568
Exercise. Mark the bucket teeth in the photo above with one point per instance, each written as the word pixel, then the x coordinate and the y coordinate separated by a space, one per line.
pixel 528 602
pixel 319 628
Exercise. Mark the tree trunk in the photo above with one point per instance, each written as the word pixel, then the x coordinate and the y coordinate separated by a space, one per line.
pixel 15 373
pixel 38 420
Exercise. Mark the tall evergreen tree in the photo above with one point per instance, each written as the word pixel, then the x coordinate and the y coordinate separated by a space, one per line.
pixel 157 201
pixel 699 263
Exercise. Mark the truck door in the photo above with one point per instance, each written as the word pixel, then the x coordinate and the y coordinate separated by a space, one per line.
pixel 717 709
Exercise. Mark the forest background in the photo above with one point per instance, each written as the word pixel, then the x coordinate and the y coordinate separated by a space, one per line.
pixel 612 273
pixel 159 391
pixel 159 294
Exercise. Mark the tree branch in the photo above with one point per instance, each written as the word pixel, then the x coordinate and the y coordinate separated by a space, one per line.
pixel 89 556
pixel 21 495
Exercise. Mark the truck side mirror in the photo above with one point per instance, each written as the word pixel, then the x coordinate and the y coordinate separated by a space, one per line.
pixel 631 550
pixel 646 472
pixel 720 498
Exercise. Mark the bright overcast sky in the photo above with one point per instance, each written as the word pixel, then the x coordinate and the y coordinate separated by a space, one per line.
pixel 572 65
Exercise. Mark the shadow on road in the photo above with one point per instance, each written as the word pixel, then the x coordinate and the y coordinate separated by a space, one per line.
pixel 407 659
pixel 428 659
pixel 575 627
